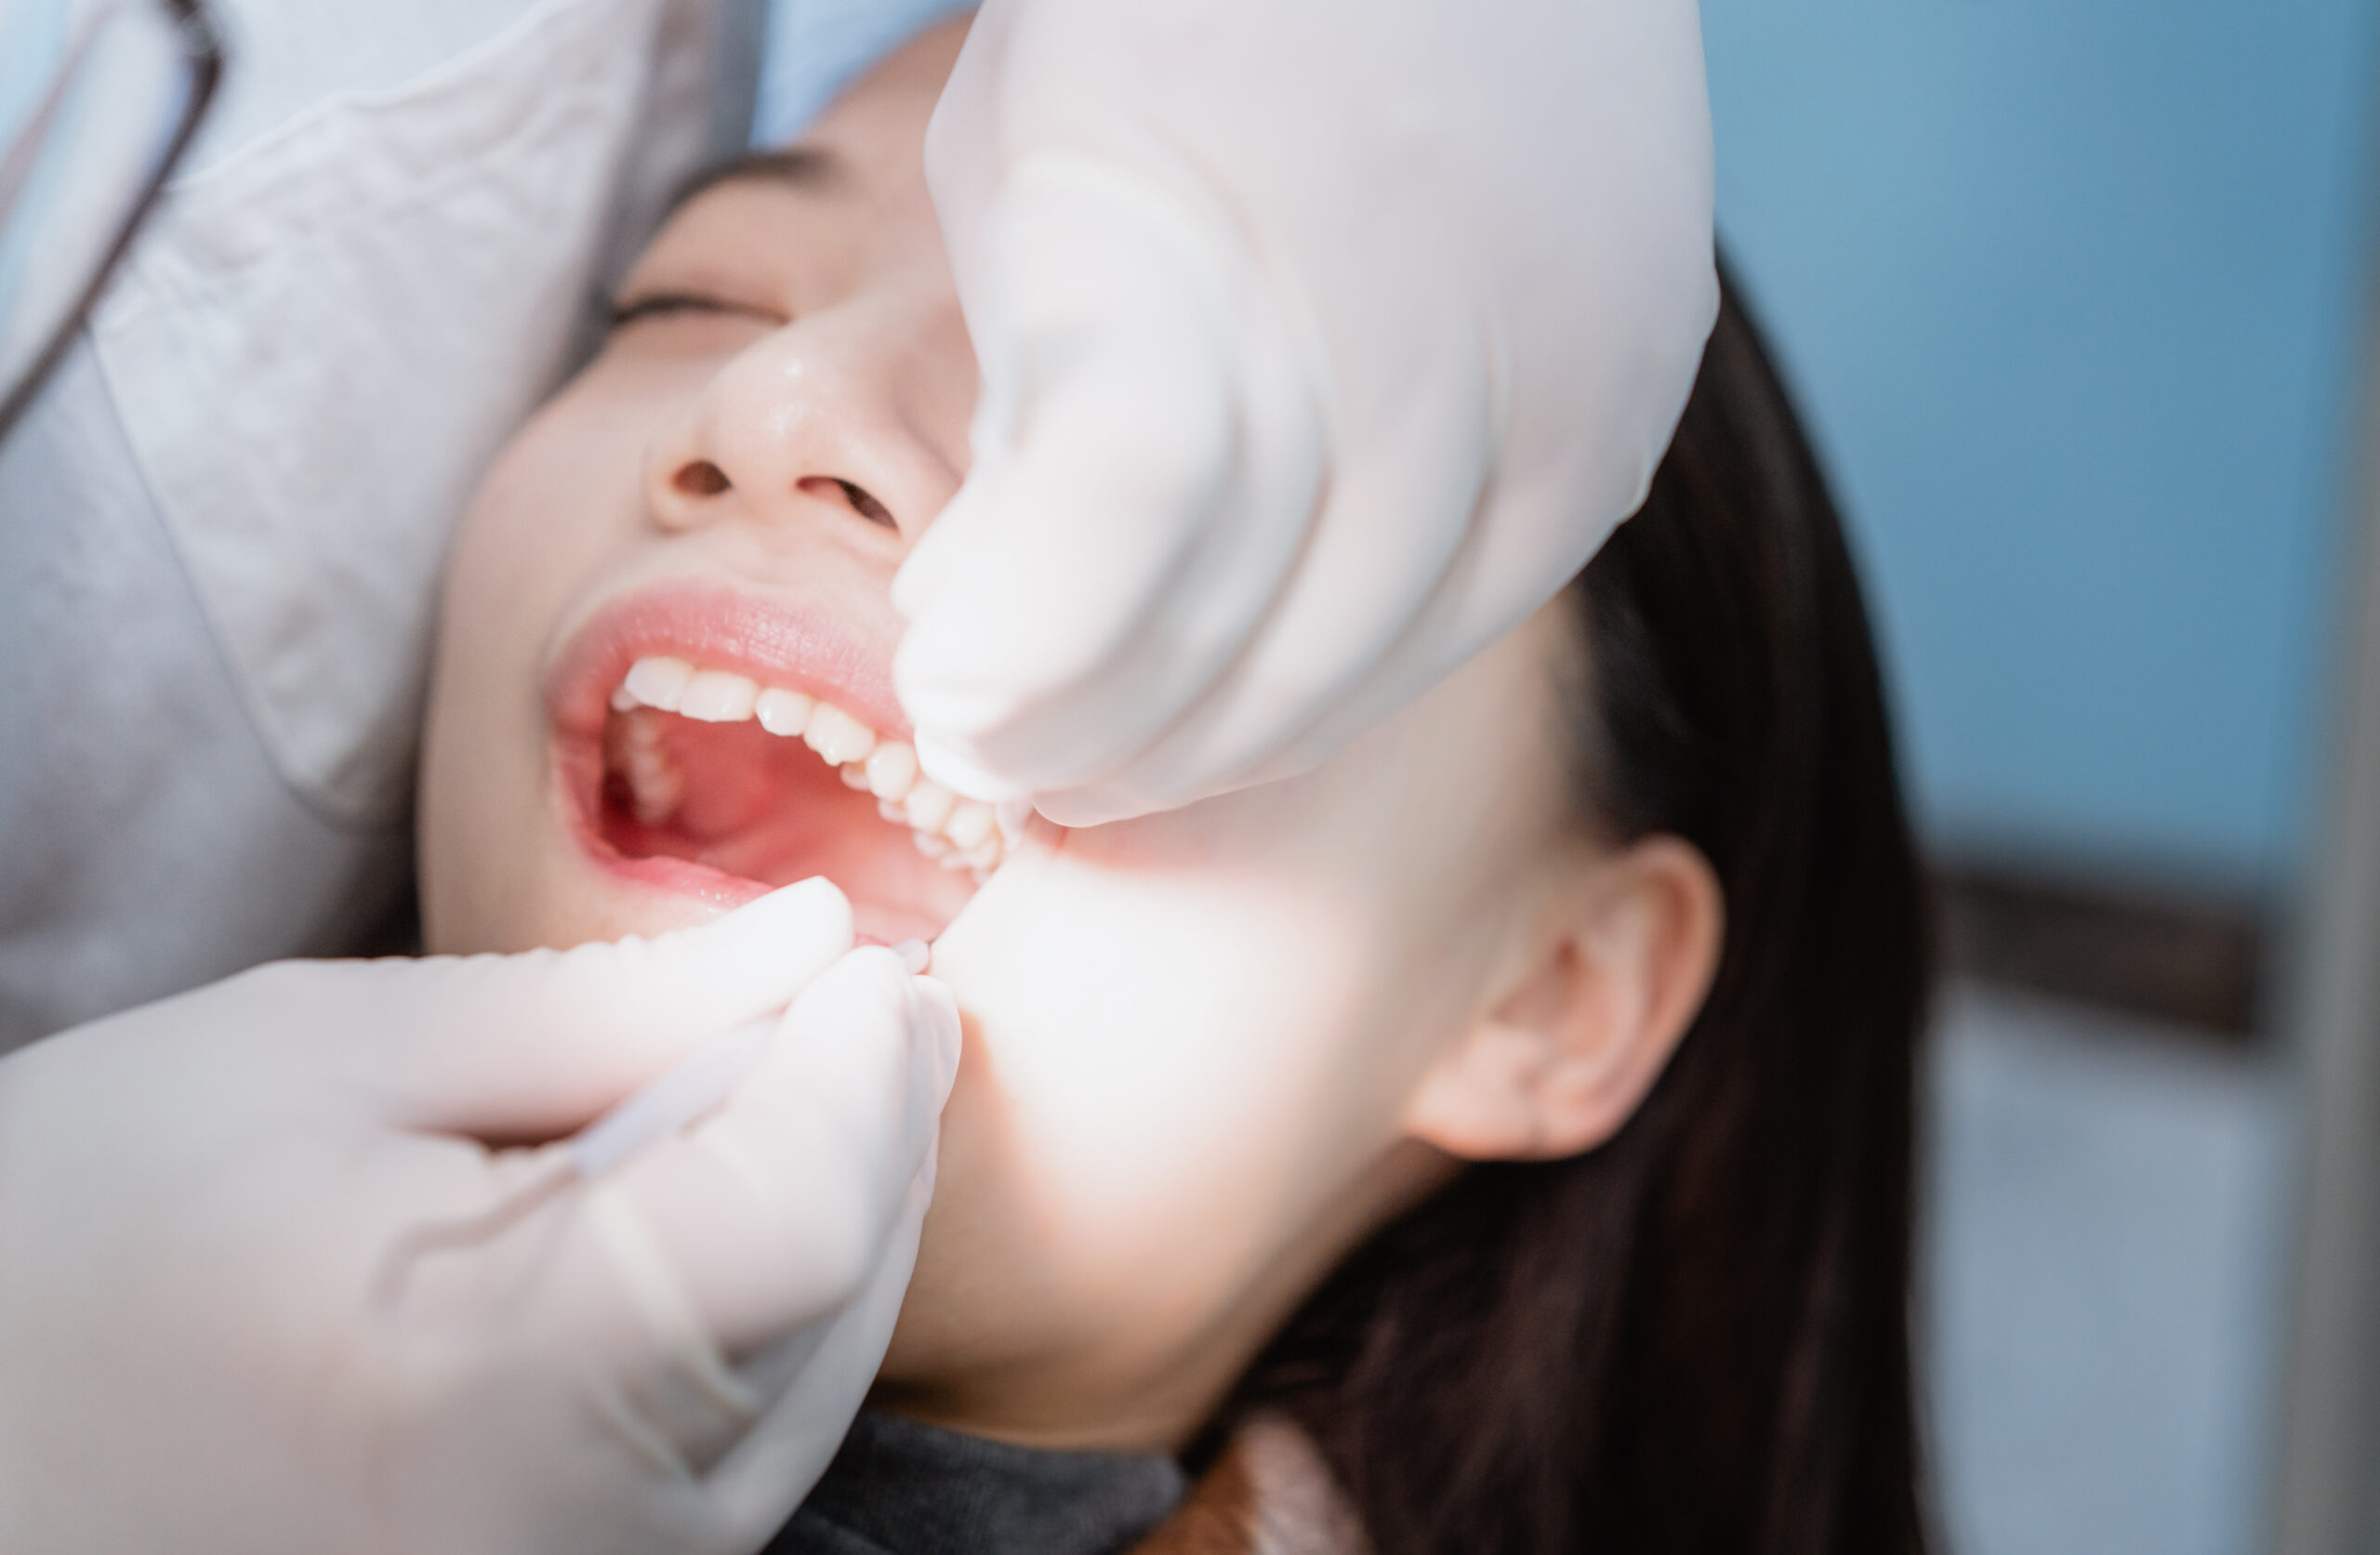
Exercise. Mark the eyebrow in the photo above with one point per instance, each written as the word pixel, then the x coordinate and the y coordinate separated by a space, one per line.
pixel 807 167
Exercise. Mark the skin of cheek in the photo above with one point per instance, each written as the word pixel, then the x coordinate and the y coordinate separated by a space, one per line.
pixel 560 503
pixel 1191 1041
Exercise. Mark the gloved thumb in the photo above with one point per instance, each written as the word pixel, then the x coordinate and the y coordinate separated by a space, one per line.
pixel 529 1046
pixel 1150 446
pixel 765 1251
pixel 780 1201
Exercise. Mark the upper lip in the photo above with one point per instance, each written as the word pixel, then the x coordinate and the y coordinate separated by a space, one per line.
pixel 719 626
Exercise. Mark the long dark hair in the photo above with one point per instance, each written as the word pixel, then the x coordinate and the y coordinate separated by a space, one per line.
pixel 1696 1337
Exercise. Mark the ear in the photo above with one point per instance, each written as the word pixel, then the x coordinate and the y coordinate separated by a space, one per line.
pixel 1613 972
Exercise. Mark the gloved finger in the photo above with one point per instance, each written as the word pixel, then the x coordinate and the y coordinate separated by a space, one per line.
pixel 818 1376
pixel 1389 541
pixel 1455 622
pixel 529 1046
pixel 1104 437
pixel 773 1212
pixel 1148 452
pixel 736 1446
pixel 961 152
pixel 746 1241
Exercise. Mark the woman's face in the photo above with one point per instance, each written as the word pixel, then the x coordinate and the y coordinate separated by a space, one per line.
pixel 1193 1041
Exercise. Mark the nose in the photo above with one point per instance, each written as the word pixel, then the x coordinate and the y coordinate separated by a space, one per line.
pixel 854 415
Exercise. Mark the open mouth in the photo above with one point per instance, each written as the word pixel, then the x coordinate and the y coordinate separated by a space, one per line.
pixel 709 779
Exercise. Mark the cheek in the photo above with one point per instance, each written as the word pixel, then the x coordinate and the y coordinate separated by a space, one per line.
pixel 1168 1070
pixel 559 502
pixel 560 499
pixel 1193 1037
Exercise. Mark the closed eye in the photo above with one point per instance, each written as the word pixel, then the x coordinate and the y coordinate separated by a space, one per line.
pixel 655 305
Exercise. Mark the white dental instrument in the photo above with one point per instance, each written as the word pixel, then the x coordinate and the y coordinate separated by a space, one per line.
pixel 685 1092
pixel 692 1087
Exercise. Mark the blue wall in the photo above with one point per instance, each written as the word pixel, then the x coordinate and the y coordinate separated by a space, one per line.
pixel 2071 290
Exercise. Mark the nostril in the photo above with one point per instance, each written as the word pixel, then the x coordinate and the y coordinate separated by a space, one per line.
pixel 701 478
pixel 858 496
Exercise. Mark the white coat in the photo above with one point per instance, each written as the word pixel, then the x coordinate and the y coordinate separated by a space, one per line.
pixel 220 527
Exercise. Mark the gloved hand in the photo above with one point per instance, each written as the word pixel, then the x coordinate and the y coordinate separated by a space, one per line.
pixel 228 1321
pixel 1322 341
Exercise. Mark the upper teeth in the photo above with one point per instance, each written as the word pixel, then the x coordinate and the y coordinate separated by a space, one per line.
pixel 962 834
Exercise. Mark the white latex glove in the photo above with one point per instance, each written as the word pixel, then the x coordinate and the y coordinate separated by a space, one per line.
pixel 220 1330
pixel 1322 342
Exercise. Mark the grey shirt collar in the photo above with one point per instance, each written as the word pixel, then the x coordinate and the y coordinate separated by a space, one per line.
pixel 900 1488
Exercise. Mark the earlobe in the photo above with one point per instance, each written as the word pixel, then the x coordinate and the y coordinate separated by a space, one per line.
pixel 1569 1046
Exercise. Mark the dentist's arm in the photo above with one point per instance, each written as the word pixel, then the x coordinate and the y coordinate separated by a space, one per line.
pixel 252 1299
pixel 1322 341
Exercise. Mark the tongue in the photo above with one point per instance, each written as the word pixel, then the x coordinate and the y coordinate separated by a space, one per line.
pixel 763 808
